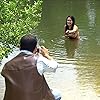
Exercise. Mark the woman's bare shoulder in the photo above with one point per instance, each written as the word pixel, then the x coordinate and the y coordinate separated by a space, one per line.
pixel 75 27
pixel 65 25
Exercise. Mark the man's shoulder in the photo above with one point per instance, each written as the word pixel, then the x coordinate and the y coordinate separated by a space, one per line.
pixel 21 61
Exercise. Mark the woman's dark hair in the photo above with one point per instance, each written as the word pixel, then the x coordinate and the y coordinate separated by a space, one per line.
pixel 73 19
pixel 28 42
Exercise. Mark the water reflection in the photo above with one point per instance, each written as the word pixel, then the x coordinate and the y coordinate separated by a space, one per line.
pixel 71 46
pixel 91 13
pixel 89 78
pixel 81 58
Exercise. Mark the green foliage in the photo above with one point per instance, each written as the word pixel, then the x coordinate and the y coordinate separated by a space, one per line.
pixel 4 51
pixel 17 17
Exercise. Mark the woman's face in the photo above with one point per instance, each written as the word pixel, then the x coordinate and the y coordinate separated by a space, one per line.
pixel 69 21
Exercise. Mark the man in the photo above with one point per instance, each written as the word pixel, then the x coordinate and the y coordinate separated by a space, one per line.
pixel 23 74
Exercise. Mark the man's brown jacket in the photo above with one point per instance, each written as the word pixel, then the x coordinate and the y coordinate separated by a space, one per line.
pixel 22 80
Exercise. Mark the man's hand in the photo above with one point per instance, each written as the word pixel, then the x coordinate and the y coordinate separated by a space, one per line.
pixel 45 53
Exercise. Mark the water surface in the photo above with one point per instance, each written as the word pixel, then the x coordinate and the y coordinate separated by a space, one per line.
pixel 78 75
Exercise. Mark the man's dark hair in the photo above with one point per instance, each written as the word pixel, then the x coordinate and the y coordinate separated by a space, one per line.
pixel 28 42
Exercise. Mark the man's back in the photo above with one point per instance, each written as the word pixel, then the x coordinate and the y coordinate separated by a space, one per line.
pixel 23 81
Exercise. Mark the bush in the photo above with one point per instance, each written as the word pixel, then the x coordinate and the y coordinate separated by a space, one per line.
pixel 17 17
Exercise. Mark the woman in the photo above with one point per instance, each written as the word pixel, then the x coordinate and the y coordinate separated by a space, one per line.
pixel 70 29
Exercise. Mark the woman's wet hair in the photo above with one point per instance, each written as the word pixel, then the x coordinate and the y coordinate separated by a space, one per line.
pixel 28 42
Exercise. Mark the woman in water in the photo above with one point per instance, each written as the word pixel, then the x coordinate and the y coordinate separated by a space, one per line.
pixel 70 29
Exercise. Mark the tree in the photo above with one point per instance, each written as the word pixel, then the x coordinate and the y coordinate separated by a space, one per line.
pixel 17 17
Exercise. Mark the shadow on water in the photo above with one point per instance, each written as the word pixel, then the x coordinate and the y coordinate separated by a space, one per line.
pixel 71 46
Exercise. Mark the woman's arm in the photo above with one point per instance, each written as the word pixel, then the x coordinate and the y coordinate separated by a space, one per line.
pixel 66 31
pixel 73 33
pixel 75 28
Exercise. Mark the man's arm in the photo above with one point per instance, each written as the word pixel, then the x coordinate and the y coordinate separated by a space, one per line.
pixel 45 62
